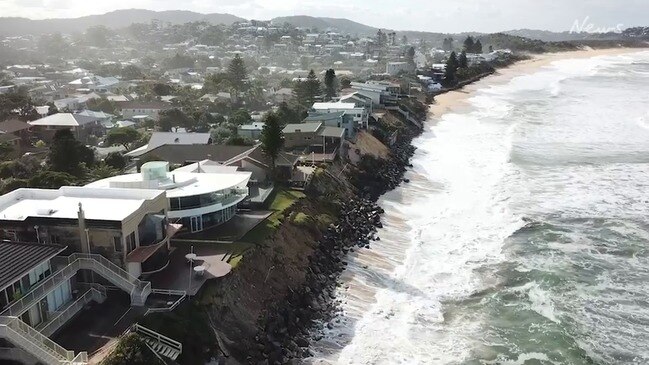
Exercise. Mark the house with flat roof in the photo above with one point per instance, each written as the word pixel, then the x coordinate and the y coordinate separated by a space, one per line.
pixel 360 114
pixel 314 141
pixel 342 120
pixel 127 226
pixel 381 93
pixel 199 200
pixel 82 126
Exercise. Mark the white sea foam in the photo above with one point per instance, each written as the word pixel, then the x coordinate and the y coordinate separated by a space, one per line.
pixel 518 153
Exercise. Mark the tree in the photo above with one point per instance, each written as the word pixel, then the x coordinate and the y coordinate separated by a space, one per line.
pixel 174 118
pixel 477 47
pixel 272 138
pixel 491 48
pixel 462 61
pixel 97 36
pixel 115 160
pixel 52 109
pixel 132 72
pixel 179 61
pixel 469 44
pixel 410 58
pixel 345 83
pixel 123 136
pixel 240 117
pixel 162 89
pixel 237 73
pixel 101 104
pixel 307 91
pixel 448 44
pixel 132 349
pixel 69 155
pixel 51 180
pixel 330 83
pixel 452 65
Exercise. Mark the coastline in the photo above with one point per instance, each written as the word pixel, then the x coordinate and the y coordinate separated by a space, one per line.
pixel 457 99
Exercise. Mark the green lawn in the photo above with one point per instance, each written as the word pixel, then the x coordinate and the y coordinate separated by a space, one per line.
pixel 282 199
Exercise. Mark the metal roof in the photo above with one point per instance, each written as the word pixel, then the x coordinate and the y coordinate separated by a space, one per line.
pixel 17 259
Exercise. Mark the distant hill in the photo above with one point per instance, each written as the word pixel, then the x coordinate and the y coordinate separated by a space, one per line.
pixel 548 36
pixel 342 25
pixel 114 19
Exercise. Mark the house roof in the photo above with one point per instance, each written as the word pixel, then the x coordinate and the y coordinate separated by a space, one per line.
pixel 302 127
pixel 181 154
pixel 331 132
pixel 13 125
pixel 333 105
pixel 17 259
pixel 318 117
pixel 98 204
pixel 8 137
pixel 143 105
pixel 170 138
pixel 256 156
pixel 63 120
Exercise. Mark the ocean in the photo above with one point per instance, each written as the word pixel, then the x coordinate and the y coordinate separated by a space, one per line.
pixel 523 236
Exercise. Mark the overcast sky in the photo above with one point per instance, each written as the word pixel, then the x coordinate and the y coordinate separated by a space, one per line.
pixel 427 15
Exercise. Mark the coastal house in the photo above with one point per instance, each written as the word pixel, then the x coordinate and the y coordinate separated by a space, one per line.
pixel 126 226
pixel 395 68
pixel 359 114
pixel 81 126
pixel 134 109
pixel 199 200
pixel 251 131
pixel 381 93
pixel 314 140
pixel 170 138
pixel 178 154
pixel 342 120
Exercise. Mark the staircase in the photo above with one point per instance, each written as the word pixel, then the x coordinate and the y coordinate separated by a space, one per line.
pixel 139 290
pixel 162 345
pixel 33 342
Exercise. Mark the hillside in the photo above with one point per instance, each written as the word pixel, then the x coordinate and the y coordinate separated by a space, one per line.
pixel 114 19
pixel 548 36
pixel 341 25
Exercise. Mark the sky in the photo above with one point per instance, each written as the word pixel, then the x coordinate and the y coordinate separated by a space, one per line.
pixel 424 15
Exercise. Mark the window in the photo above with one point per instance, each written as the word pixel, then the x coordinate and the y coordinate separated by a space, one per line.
pixel 130 242
pixel 117 241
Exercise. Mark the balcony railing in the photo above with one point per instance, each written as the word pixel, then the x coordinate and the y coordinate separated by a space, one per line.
pixel 28 338
pixel 137 289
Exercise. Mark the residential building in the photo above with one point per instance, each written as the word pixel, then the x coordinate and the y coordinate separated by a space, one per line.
pixel 126 226
pixel 251 131
pixel 314 140
pixel 15 133
pixel 94 83
pixel 342 120
pixel 178 154
pixel 151 109
pixel 360 114
pixel 381 93
pixel 197 199
pixel 81 126
pixel 171 138
pixel 394 68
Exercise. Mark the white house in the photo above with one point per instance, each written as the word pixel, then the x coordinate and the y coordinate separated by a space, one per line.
pixel 200 200
pixel 360 115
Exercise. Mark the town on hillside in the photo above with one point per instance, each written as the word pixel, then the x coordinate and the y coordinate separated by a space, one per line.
pixel 153 171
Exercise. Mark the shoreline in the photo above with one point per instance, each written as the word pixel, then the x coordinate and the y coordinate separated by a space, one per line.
pixel 457 99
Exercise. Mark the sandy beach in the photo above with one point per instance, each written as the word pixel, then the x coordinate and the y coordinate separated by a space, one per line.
pixel 455 100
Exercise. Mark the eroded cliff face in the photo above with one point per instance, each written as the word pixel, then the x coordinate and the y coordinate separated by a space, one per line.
pixel 265 311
